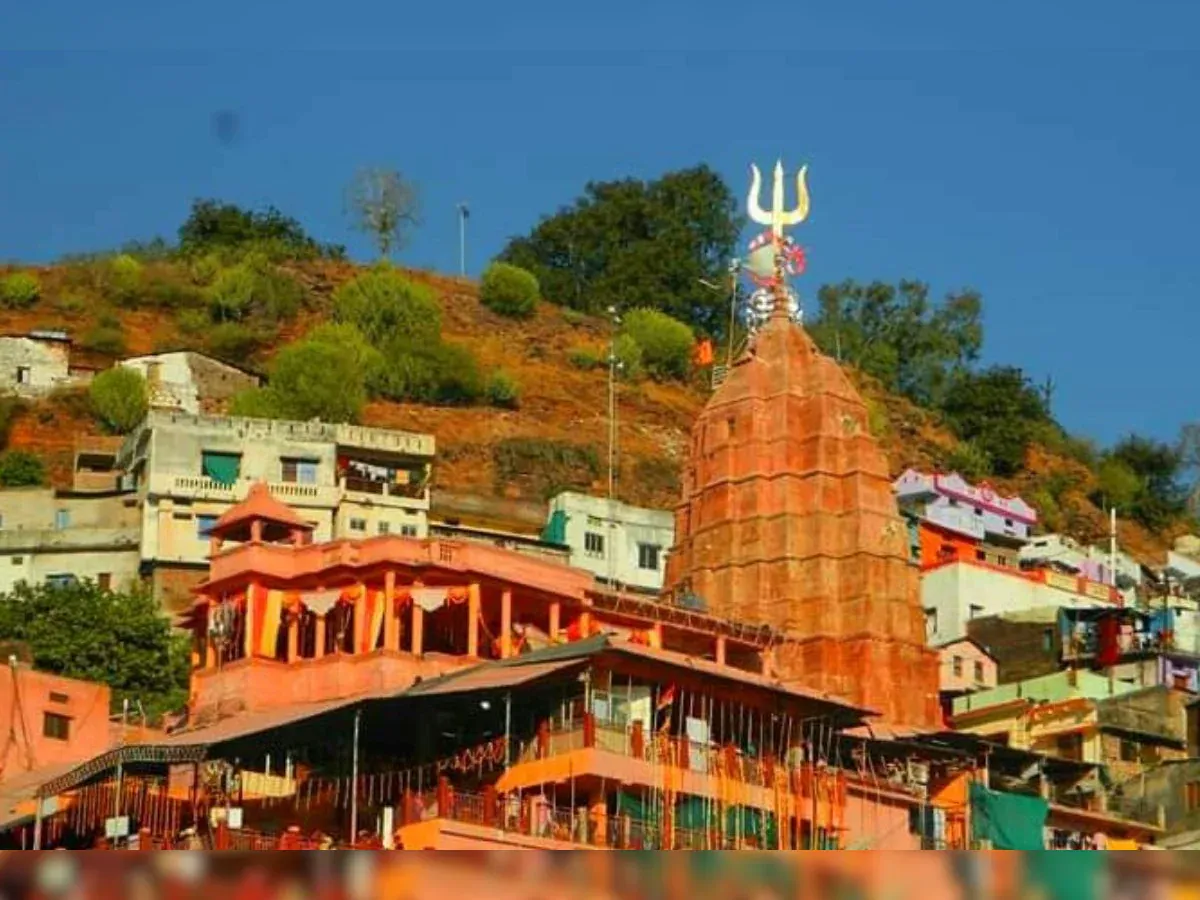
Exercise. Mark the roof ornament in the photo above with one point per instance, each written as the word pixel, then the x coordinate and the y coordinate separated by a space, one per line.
pixel 773 255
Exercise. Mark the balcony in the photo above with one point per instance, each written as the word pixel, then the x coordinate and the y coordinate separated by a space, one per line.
pixel 199 487
pixel 367 491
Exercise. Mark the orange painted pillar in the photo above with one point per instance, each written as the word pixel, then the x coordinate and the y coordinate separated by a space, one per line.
pixel 721 650
pixel 418 629
pixel 598 816
pixel 506 623
pixel 656 636
pixel 585 625
pixel 473 604
pixel 360 620
pixel 391 621
pixel 248 629
pixel 555 620
pixel 319 640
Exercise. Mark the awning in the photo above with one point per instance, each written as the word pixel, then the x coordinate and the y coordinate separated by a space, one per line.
pixel 487 678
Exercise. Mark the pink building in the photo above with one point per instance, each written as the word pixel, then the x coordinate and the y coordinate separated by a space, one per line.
pixel 964 667
pixel 49 720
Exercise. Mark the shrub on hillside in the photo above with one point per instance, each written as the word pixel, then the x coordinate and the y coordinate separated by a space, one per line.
pixel 106 336
pixel 318 380
pixel 350 340
pixel 193 321
pixel 225 228
pixel 629 357
pixel 503 391
pixel 231 293
pixel 256 403
pixel 120 398
pixel 124 278
pixel 970 461
pixel 10 406
pixel 573 317
pixel 20 290
pixel 233 342
pixel 386 306
pixel 434 373
pixel 254 287
pixel 509 290
pixel 19 468
pixel 547 466
pixel 70 304
pixel 585 358
pixel 666 343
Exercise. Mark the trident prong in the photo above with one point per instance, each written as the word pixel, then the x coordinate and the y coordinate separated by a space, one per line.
pixel 778 218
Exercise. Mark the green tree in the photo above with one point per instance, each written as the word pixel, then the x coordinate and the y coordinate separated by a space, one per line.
pixel 666 343
pixel 124 277
pixel 1116 485
pixel 1160 497
pixel 996 409
pixel 120 398
pixel 509 290
pixel 897 335
pixel 638 243
pixel 120 639
pixel 318 380
pixel 385 306
pixel 503 391
pixel 384 205
pixel 20 290
pixel 19 468
pixel 226 227
pixel 435 373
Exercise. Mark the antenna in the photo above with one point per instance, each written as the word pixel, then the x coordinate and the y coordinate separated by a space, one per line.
pixel 463 213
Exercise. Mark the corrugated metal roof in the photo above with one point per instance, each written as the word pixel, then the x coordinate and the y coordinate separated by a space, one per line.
pixel 485 678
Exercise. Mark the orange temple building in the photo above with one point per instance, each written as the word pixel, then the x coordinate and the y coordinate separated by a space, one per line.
pixel 789 520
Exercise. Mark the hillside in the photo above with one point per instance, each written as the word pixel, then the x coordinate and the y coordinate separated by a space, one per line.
pixel 558 435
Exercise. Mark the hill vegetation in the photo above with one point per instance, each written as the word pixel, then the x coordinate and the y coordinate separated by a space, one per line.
pixel 513 380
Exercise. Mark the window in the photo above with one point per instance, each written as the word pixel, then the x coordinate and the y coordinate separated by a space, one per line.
pixel 981 555
pixel 56 697
pixel 978 511
pixel 18 560
pixel 62 518
pixel 931 622
pixel 648 556
pixel 1048 640
pixel 1070 746
pixel 358 524
pixel 593 544
pixel 299 471
pixel 1008 523
pixel 23 375
pixel 408 530
pixel 974 612
pixel 978 672
pixel 731 422
pixel 56 727
pixel 1129 751
pixel 223 468
pixel 104 581
pixel 204 524
pixel 958 666
pixel 384 527
pixel 62 579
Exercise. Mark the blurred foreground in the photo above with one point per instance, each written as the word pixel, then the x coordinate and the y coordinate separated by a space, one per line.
pixel 549 876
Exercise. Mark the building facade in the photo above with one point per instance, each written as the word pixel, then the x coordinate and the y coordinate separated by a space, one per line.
pixel 49 720
pixel 48 535
pixel 622 544
pixel 975 511
pixel 190 382
pixel 345 480
pixel 36 363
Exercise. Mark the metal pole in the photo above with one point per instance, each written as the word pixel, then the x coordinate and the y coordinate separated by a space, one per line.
pixel 507 730
pixel 462 239
pixel 734 267
pixel 354 779
pixel 1112 546
pixel 120 765
pixel 37 823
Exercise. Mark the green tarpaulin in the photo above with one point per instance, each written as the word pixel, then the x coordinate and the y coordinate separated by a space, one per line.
pixel 221 467
pixel 555 531
pixel 1064 876
pixel 1009 821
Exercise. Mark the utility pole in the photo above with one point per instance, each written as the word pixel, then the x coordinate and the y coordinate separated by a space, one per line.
pixel 463 213
pixel 354 781
pixel 735 266
pixel 613 366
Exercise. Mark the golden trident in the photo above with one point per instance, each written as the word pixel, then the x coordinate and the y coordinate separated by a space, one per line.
pixel 778 218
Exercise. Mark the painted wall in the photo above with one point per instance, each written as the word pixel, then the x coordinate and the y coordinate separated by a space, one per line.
pixel 623 528
pixel 949 496
pixel 27 697
pixel 964 667
pixel 47 361
pixel 954 594
pixel 1047 689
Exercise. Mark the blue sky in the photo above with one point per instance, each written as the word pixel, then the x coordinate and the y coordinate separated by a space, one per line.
pixel 1043 153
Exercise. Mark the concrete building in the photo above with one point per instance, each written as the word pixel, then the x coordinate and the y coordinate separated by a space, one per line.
pixel 48 535
pixel 1060 552
pixel 955 593
pixel 36 363
pixel 49 720
pixel 622 544
pixel 526 545
pixel 977 512
pixel 345 480
pixel 964 667
pixel 190 382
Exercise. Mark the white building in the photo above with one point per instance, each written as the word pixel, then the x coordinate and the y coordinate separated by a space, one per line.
pixel 621 544
pixel 36 363
pixel 956 593
pixel 55 536
pixel 347 480
pixel 189 381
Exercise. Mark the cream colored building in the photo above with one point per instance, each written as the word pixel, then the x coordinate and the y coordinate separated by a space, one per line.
pixel 48 535
pixel 186 470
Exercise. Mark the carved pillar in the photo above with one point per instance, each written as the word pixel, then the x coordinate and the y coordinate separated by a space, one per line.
pixel 256 531
pixel 555 620
pixel 506 623
pixel 319 639
pixel 391 621
pixel 721 650
pixel 360 621
pixel 249 615
pixel 473 604
pixel 656 636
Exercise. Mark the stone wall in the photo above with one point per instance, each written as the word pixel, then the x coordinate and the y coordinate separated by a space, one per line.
pixel 43 365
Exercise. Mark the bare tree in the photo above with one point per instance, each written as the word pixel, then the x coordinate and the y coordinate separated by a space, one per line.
pixel 384 205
